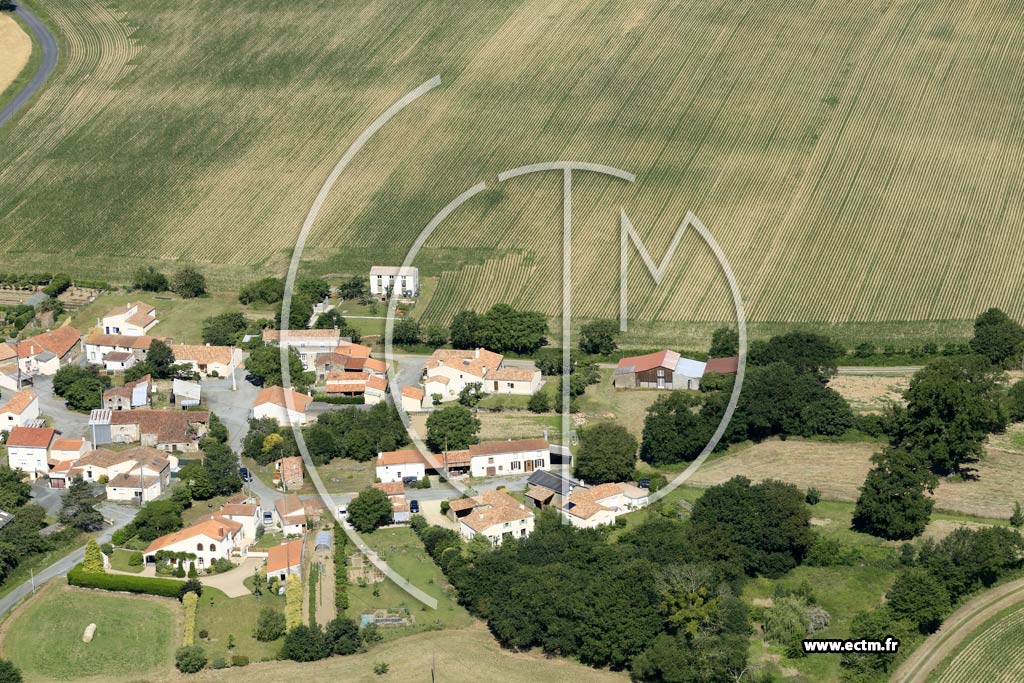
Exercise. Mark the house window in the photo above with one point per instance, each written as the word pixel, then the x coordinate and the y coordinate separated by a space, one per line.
pixel 490 461
pixel 199 546
pixel 511 385
pixel 516 465
pixel 213 548
pixel 661 373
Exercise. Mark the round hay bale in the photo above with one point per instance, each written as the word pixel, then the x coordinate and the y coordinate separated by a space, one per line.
pixel 90 631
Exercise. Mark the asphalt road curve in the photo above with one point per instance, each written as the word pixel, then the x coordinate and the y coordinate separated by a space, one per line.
pixel 50 51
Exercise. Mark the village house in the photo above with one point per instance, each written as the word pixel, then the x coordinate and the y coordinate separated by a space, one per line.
pixel 288 473
pixel 395 491
pixel 133 319
pixel 404 282
pixel 290 514
pixel 249 515
pixel 209 539
pixel 448 371
pixel 285 559
pixel 599 505
pixel 372 388
pixel 493 514
pixel 28 450
pixel 412 398
pixel 185 394
pixel 138 488
pixel 285 406
pixel 116 349
pixel 137 474
pixel 168 430
pixel 43 354
pixel 19 410
pixel 404 465
pixel 64 450
pixel 662 370
pixel 501 458
pixel 132 395
pixel 544 488
pixel 307 343
pixel 208 361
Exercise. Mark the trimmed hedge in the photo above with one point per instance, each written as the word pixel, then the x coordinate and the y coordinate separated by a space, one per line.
pixel 339 400
pixel 166 588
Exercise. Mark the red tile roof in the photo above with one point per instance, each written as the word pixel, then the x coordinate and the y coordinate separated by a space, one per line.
pixel 58 341
pixel 279 395
pixel 661 359
pixel 31 437
pixel 19 402
pixel 284 556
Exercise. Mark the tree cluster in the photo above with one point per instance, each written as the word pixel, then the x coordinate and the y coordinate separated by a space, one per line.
pixel 81 387
pixel 502 329
pixel 310 643
pixel 264 367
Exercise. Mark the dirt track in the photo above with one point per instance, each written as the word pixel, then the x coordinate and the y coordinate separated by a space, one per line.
pixel 955 629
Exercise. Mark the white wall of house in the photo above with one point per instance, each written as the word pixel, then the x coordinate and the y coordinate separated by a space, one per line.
pixel 206 549
pixel 28 459
pixel 397 472
pixel 520 528
pixel 249 523
pixel 9 421
pixel 282 414
pixel 505 464
pixel 520 387
pixel 133 493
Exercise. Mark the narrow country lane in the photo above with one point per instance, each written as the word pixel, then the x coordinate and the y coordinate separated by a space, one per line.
pixel 50 51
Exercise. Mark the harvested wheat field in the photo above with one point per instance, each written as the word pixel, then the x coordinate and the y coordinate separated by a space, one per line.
pixel 826 146
pixel 870 393
pixel 838 470
pixel 15 46
pixel 459 656
pixel 835 469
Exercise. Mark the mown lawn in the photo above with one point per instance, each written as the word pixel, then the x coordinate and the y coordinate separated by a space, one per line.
pixel 400 548
pixel 134 635
pixel 223 617
pixel 119 561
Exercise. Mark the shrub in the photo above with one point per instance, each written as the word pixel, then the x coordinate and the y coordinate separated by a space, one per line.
pixel 381 668
pixel 270 625
pixel 190 586
pixel 107 548
pixel 203 634
pixel 222 565
pixel 192 573
pixel 239 660
pixel 9 673
pixel 445 507
pixel 166 588
pixel 304 644
pixel 813 496
pixel 293 602
pixel 93 562
pixel 219 663
pixel 786 623
pixel 829 552
pixel 190 602
pixel 135 559
pixel 190 658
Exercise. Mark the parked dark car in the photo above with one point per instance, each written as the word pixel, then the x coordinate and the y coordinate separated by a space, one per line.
pixel 410 480
pixel 246 474
pixel 414 506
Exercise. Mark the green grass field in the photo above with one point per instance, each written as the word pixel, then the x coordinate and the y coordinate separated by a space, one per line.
pixel 119 561
pixel 854 170
pixel 134 635
pixel 400 548
pixel 223 617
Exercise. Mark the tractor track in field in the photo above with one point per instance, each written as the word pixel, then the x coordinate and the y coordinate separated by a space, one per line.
pixel 50 52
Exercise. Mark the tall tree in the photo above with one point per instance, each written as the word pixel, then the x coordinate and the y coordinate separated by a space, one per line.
pixel 14 491
pixel 150 279
pixel 464 330
pixel 919 598
pixel 222 466
pixel 997 337
pixel 805 352
pixel 451 428
pixel 599 337
pixel 893 503
pixel 673 431
pixel 607 453
pixel 369 510
pixel 725 342
pixel 224 329
pixel 78 508
pixel 188 283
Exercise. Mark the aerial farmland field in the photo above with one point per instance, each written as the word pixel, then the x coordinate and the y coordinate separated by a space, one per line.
pixel 858 162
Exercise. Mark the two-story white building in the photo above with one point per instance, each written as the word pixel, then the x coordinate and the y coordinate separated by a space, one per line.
pixel 19 410
pixel 403 282
pixel 115 351
pixel 448 371
pixel 133 319
pixel 209 540
pixel 307 343
pixel 28 450
pixel 501 458
pixel 290 514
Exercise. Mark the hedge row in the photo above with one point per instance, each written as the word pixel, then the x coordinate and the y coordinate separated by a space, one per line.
pixel 167 588
pixel 339 400
pixel 340 569
pixel 191 604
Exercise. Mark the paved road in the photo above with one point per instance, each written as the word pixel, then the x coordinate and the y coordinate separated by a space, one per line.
pixel 119 514
pixel 49 45
pixel 955 629
pixel 69 423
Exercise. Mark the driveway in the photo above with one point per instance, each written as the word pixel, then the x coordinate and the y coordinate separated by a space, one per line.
pixel 231 581
pixel 115 513
pixel 69 423
pixel 49 46
pixel 47 498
